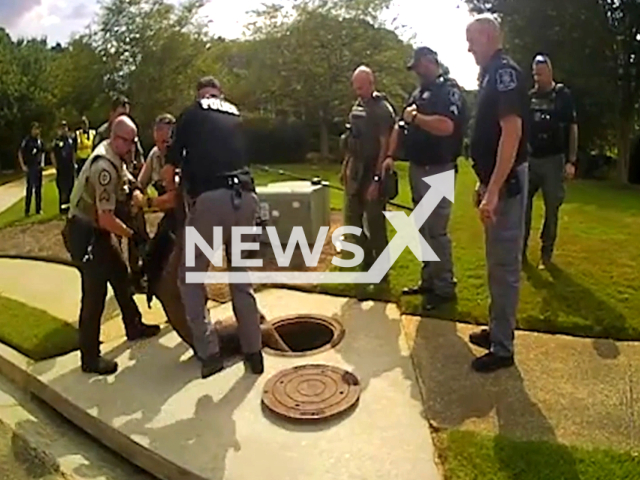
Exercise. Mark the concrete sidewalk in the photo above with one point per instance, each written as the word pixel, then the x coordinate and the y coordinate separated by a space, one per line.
pixel 157 411
pixel 14 191
pixel 160 414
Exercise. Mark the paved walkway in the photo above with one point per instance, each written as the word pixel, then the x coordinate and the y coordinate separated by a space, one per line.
pixel 11 192
pixel 575 391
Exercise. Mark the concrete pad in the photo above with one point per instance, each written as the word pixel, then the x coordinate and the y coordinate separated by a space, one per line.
pixel 571 390
pixel 47 286
pixel 160 414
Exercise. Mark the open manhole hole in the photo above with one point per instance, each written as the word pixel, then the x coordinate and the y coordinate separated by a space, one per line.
pixel 311 392
pixel 301 335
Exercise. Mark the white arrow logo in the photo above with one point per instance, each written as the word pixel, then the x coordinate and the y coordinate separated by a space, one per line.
pixel 407 235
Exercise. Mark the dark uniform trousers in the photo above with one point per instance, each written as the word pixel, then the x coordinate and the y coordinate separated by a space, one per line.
pixel 374 240
pixel 64 181
pixel 358 210
pixel 101 264
pixel 34 188
pixel 546 174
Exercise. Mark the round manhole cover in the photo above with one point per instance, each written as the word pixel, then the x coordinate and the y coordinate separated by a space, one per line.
pixel 311 392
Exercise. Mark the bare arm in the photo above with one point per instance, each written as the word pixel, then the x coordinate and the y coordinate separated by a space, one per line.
pixel 108 221
pixel 393 141
pixel 21 160
pixel 54 161
pixel 165 202
pixel 507 151
pixel 435 124
pixel 573 143
pixel 144 178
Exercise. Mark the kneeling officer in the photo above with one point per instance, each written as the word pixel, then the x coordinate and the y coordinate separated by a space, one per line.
pixel 87 235
pixel 208 147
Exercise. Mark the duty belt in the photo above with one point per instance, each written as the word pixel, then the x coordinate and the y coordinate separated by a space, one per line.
pixel 230 182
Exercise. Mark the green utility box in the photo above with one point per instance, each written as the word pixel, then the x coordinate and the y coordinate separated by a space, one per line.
pixel 285 205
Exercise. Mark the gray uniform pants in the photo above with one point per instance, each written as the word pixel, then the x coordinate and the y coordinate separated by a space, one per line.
pixel 375 239
pixel 546 173
pixel 437 276
pixel 503 245
pixel 211 209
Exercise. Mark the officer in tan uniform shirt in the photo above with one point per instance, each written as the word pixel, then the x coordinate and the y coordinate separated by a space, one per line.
pixel 95 199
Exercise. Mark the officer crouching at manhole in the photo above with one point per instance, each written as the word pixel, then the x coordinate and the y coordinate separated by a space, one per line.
pixel 371 120
pixel 435 118
pixel 87 235
pixel 499 154
pixel 553 142
pixel 208 146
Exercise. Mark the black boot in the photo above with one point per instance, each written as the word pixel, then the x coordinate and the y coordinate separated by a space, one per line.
pixel 212 365
pixel 491 362
pixel 255 362
pixel 481 339
pixel 433 301
pixel 100 366
pixel 143 331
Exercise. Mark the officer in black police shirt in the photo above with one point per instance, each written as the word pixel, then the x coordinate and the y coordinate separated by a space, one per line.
pixel 31 157
pixel 499 154
pixel 63 158
pixel 208 146
pixel 435 122
pixel 553 141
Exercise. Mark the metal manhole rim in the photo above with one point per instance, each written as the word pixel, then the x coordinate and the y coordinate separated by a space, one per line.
pixel 332 323
pixel 275 405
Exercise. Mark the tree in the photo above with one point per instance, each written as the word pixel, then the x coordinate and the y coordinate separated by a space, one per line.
pixel 595 50
pixel 304 61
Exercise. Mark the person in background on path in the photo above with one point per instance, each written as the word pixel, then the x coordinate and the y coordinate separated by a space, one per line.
pixel 553 143
pixel 83 143
pixel 499 155
pixel 371 120
pixel 435 121
pixel 31 157
pixel 96 196
pixel 62 158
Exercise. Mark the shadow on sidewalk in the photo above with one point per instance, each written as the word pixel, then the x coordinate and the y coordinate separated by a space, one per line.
pixel 563 295
pixel 457 397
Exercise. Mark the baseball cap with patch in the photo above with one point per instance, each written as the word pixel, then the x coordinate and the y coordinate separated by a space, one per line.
pixel 420 53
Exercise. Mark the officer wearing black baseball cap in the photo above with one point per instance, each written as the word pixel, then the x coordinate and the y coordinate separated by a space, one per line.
pixel 420 53
pixel 434 117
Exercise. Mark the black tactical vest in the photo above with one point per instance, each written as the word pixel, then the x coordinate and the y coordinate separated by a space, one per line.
pixel 548 133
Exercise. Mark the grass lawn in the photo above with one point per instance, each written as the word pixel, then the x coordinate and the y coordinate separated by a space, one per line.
pixel 473 456
pixel 14 215
pixel 593 289
pixel 34 332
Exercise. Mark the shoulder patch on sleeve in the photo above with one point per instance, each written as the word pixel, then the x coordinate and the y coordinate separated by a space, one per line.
pixel 104 177
pixel 506 79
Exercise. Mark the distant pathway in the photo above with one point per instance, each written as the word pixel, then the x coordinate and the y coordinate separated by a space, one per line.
pixel 11 192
